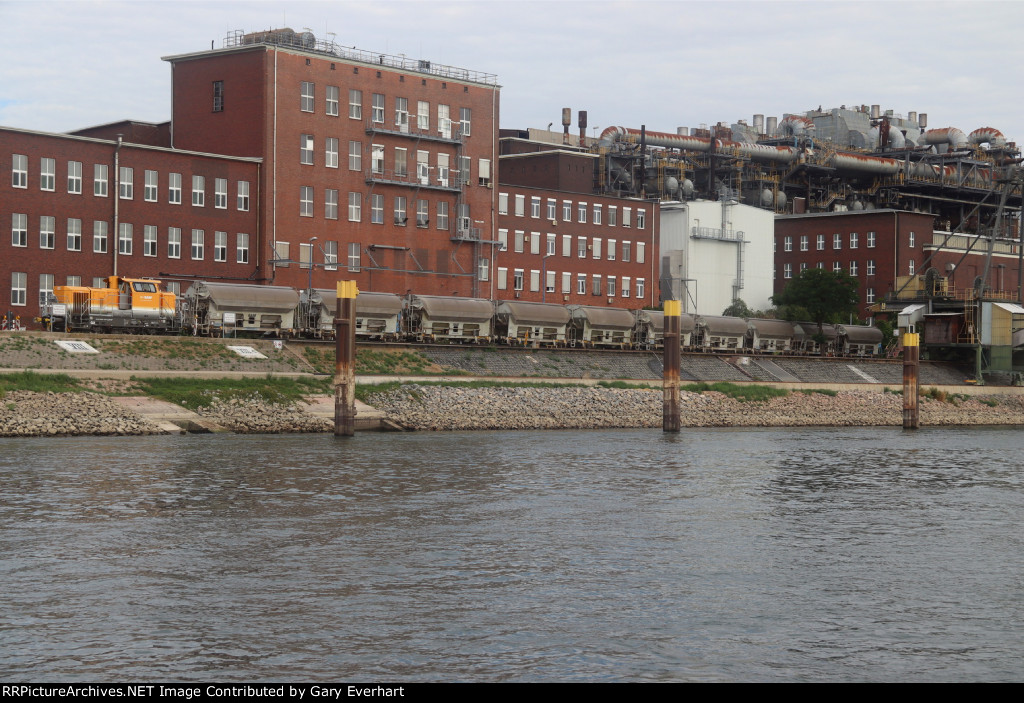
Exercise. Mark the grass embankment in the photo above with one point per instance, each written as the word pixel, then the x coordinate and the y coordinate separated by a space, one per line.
pixel 384 363
pixel 38 382
pixel 194 393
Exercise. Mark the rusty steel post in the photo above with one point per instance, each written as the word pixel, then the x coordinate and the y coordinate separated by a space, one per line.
pixel 911 354
pixel 345 360
pixel 670 421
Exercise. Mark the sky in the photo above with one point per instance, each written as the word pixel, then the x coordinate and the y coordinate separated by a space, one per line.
pixel 68 65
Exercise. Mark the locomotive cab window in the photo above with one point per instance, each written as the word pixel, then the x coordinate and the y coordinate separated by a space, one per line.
pixel 141 287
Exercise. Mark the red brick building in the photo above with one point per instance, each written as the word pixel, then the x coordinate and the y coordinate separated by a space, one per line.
pixel 286 160
pixel 83 208
pixel 385 161
pixel 878 246
pixel 558 242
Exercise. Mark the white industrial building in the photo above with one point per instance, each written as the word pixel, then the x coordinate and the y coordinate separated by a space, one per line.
pixel 713 252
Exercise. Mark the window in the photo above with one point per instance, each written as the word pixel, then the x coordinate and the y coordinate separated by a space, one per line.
pixel 377 209
pixel 198 244
pixel 220 193
pixel 218 96
pixel 377 113
pixel 19 230
pixel 45 287
pixel 126 187
pixel 442 170
pixel 641 218
pixel 353 257
pixel 535 207
pixel 837 267
pixel 99 282
pixel 853 240
pixel 611 285
pixel 519 236
pixel 149 240
pixel 871 240
pixel 19 171
pixel 853 268
pixel 820 243
pixel 243 196
pixel 444 122
pixel 837 241
pixel 535 243
pixel 402 114
pixel 803 243
pixel 910 240
pixel 331 204
pixel 330 256
pixel 502 278
pixel 597 214
pixel 307 99
pixel 19 285
pixel 124 239
pixel 641 252
pixel 581 247
pixel 422 213
pixel 483 269
pixel 611 250
pixel 423 116
pixel 331 152
pixel 423 167
pixel 377 159
pixel 74 281
pixel 520 206
pixel 517 279
pixel 74 234
pixel 869 296
pixel 75 177
pixel 597 248
pixel 566 211
pixel 198 191
pixel 502 203
pixel 566 282
pixel 173 242
pixel 99 180
pixel 174 188
pixel 595 288
pixel 400 212
pixel 464 172
pixel 355 155
pixel 625 251
pixel 640 287
pixel 355 207
pixel 787 244
pixel 242 248
pixel 220 246
pixel 282 254
pixel 48 174
pixel 910 267
pixel 305 201
pixel 549 283
pixel 626 216
pixel 581 212
pixel 625 287
pixel 566 245
pixel 871 267
pixel 306 149
pixel 502 240
pixel 333 98
pixel 787 270
pixel 355 104
pixel 99 237
pixel 552 207
pixel 613 215
pixel 581 284
pixel 465 117
pixel 306 252
pixel 551 245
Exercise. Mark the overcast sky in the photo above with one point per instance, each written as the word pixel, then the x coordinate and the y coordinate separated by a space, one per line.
pixel 67 65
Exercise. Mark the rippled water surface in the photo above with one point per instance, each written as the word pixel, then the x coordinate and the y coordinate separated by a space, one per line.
pixel 762 554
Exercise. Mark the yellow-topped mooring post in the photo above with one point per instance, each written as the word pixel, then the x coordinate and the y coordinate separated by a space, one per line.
pixel 911 356
pixel 670 421
pixel 345 360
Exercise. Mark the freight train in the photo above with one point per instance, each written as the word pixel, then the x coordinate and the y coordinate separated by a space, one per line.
pixel 219 309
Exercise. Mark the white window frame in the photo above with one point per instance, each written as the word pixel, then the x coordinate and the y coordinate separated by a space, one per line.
pixel 100 236
pixel 198 249
pixel 74 234
pixel 333 97
pixel 174 242
pixel 126 183
pixel 355 207
pixel 149 240
pixel 331 152
pixel 330 204
pixel 220 246
pixel 307 97
pixel 19 171
pixel 75 177
pixel 243 196
pixel 241 248
pixel 151 186
pixel 198 191
pixel 220 193
pixel 47 174
pixel 47 232
pixel 125 239
pixel 100 180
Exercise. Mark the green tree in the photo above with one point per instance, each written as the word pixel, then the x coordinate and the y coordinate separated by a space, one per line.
pixel 826 296
pixel 738 309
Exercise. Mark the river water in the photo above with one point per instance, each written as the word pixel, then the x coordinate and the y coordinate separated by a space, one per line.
pixel 714 555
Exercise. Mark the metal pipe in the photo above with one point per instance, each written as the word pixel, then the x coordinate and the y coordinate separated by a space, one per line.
pixel 345 360
pixel 671 421
pixel 911 351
